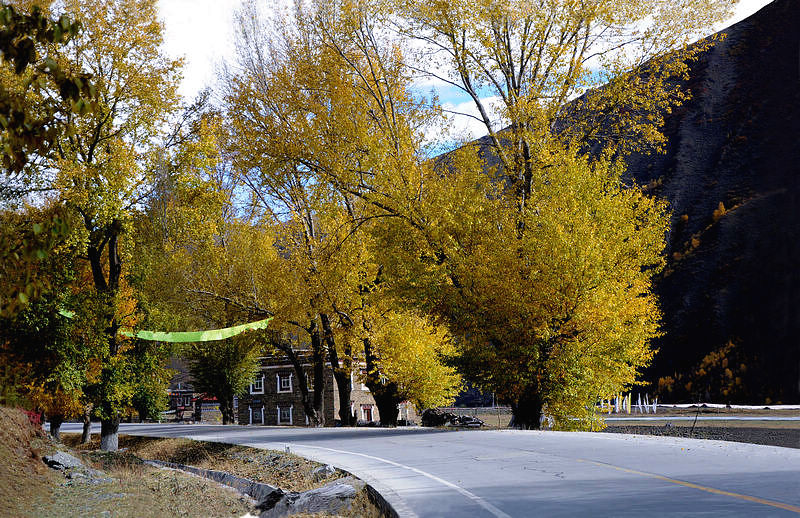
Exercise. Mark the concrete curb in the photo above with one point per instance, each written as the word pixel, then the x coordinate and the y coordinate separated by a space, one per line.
pixel 256 490
pixel 262 492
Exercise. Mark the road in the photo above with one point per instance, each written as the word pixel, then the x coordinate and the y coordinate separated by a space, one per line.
pixel 511 473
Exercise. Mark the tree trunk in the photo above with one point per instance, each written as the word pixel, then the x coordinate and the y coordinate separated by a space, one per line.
pixel 345 386
pixel 318 364
pixel 527 410
pixel 86 436
pixel 55 427
pixel 341 373
pixel 226 409
pixel 387 401
pixel 109 434
pixel 385 394
pixel 109 425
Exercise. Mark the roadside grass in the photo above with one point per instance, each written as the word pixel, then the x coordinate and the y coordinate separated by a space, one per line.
pixel 23 475
pixel 284 470
pixel 140 490
pixel 29 488
pixel 287 471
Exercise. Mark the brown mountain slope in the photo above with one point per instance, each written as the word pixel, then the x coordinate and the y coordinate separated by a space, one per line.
pixel 731 295
pixel 731 173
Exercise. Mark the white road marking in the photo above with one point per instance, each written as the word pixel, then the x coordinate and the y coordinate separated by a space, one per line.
pixel 475 498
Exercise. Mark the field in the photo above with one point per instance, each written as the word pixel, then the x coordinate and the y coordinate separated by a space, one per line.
pixel 762 431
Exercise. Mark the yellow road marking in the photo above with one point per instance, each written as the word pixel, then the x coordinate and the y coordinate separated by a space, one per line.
pixel 772 503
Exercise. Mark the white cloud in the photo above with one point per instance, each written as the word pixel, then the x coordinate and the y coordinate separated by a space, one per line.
pixel 201 31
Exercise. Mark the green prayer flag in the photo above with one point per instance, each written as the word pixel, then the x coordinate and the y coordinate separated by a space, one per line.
pixel 188 336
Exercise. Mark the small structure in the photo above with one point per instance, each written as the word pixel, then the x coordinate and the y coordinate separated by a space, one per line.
pixel 274 397
pixel 181 400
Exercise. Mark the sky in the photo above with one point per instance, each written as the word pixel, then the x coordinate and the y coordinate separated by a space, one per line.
pixel 202 31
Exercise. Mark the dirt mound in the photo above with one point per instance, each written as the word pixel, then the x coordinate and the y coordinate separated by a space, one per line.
pixel 23 475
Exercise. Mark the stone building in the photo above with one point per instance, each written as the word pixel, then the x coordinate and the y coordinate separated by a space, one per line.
pixel 274 398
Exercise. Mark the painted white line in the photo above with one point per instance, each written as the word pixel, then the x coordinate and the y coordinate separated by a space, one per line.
pixel 475 498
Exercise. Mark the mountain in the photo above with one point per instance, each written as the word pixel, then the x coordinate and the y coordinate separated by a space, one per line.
pixel 730 294
pixel 731 174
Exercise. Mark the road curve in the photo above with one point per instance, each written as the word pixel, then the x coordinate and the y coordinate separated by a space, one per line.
pixel 510 473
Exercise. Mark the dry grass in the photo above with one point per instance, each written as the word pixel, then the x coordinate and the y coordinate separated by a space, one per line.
pixel 29 488
pixel 23 475
pixel 139 490
pixel 287 471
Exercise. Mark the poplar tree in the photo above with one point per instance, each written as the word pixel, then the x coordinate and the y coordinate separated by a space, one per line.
pixel 104 167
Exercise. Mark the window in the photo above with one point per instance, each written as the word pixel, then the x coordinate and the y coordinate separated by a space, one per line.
pixel 257 387
pixel 285 414
pixel 256 414
pixel 309 382
pixel 284 382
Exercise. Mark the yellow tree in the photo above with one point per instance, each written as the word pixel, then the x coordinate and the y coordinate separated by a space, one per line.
pixel 524 66
pixel 521 64
pixel 103 164
pixel 271 129
pixel 498 254
pixel 408 352
pixel 297 113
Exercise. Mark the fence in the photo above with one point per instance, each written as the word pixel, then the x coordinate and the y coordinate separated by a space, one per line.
pixel 623 404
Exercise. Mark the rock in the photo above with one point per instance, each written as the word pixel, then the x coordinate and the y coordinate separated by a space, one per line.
pixel 62 460
pixel 323 472
pixel 330 498
pixel 84 475
pixel 74 469
pixel 436 417
pixel 258 491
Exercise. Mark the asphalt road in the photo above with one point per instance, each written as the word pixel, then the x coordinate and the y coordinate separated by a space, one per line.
pixel 502 473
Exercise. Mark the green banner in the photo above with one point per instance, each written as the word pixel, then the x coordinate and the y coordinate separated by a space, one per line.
pixel 189 336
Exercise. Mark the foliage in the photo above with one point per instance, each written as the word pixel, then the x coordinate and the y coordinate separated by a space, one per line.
pixel 719 375
pixel 27 129
pixel 30 124
pixel 105 168
pixel 225 368
pixel 53 364
pixel 410 351
pixel 151 379
pixel 26 240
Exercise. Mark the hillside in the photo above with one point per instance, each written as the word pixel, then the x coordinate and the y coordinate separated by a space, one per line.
pixel 733 284
pixel 731 174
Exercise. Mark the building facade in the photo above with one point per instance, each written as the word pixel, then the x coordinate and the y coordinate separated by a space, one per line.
pixel 274 398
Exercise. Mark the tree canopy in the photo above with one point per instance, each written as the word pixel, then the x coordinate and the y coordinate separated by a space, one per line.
pixel 522 262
